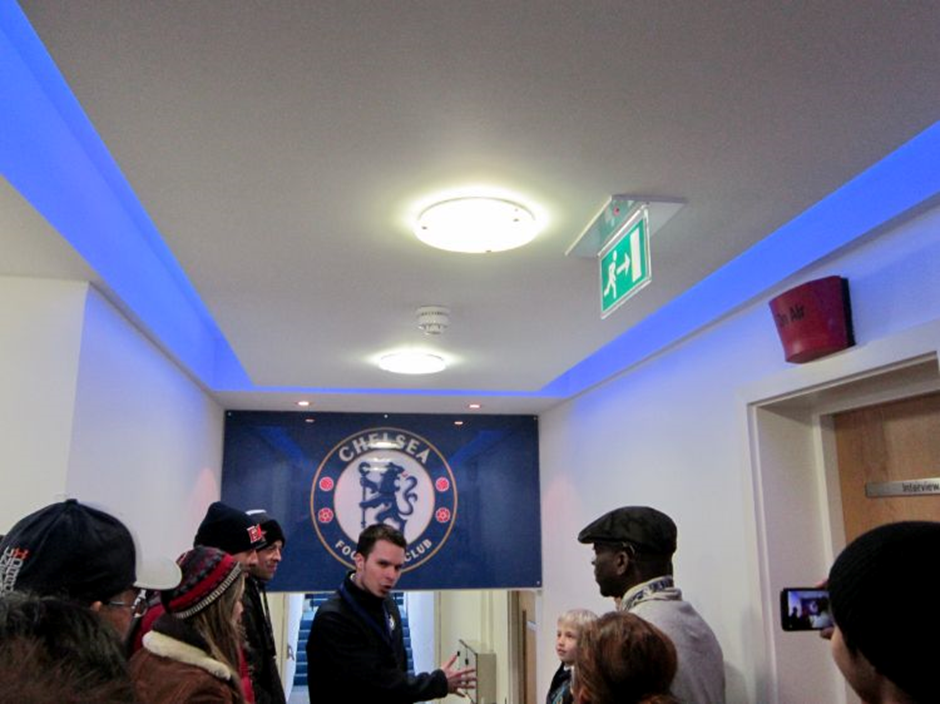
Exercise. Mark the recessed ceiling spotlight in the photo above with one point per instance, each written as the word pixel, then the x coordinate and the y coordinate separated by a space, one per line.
pixel 308 420
pixel 412 362
pixel 476 224
pixel 385 445
pixel 303 404
pixel 474 406
pixel 458 422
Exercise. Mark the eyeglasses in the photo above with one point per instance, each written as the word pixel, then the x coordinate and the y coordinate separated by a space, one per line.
pixel 138 607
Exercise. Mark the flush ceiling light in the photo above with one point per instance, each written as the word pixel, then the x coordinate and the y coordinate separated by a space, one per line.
pixel 476 224
pixel 412 362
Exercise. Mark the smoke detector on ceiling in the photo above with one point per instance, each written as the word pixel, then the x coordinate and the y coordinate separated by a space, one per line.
pixel 433 320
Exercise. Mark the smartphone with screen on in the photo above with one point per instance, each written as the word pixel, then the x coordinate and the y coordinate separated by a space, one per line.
pixel 804 609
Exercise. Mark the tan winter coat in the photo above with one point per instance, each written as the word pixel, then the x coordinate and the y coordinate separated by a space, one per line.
pixel 169 671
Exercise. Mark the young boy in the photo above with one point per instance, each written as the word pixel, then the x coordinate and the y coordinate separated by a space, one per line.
pixel 570 624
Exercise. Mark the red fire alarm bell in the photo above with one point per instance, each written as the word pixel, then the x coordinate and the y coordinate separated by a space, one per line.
pixel 814 319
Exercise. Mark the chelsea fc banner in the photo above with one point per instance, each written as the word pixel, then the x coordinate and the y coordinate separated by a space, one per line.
pixel 464 491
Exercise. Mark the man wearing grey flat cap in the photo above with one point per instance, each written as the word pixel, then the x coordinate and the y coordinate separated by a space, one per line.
pixel 633 548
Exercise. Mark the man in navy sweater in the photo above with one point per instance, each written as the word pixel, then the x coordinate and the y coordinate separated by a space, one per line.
pixel 356 650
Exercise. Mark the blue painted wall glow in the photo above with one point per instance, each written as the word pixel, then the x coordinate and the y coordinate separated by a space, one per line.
pixel 50 152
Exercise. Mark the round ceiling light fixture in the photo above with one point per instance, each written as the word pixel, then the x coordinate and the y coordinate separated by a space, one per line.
pixel 476 224
pixel 412 362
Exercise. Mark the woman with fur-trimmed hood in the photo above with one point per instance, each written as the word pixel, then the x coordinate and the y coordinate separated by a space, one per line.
pixel 192 652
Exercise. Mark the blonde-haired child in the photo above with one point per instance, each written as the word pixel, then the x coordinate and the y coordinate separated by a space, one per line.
pixel 570 624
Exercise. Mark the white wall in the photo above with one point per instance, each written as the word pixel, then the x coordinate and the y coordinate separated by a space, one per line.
pixel 90 408
pixel 40 335
pixel 146 440
pixel 286 611
pixel 479 617
pixel 670 434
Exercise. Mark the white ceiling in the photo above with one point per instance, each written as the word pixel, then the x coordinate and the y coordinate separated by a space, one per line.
pixel 280 147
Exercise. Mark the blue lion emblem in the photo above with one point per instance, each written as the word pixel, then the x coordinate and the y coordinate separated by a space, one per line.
pixel 383 494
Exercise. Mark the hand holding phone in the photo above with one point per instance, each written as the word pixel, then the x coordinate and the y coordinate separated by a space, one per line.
pixel 804 609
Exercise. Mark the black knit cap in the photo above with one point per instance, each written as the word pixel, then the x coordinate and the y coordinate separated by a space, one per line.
pixel 883 590
pixel 271 528
pixel 645 528
pixel 229 529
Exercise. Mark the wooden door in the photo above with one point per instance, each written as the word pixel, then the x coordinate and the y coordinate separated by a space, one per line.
pixel 890 442
pixel 522 643
pixel 527 610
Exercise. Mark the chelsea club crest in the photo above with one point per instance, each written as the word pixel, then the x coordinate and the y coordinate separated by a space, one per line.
pixel 384 475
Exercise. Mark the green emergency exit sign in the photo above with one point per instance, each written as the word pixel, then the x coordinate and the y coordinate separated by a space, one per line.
pixel 625 264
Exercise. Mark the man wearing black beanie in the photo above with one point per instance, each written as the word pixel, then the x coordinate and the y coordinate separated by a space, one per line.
pixel 256 618
pixel 232 531
pixel 883 590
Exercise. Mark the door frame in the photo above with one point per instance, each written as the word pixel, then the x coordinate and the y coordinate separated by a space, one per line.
pixel 794 502
pixel 518 664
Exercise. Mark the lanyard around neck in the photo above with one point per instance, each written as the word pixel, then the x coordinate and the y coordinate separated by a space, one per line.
pixel 384 630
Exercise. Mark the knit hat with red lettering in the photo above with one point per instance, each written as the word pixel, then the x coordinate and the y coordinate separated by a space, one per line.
pixel 882 585
pixel 230 530
pixel 207 574
pixel 271 528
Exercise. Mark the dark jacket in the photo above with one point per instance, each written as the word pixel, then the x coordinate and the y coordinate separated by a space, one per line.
pixel 174 666
pixel 559 691
pixel 261 652
pixel 356 654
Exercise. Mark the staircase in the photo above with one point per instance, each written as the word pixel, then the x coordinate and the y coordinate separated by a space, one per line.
pixel 399 598
pixel 314 600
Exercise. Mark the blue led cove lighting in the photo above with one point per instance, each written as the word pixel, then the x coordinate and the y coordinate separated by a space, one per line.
pixel 51 153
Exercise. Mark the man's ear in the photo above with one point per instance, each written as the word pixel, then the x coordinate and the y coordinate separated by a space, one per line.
pixel 622 561
pixel 96 606
pixel 359 561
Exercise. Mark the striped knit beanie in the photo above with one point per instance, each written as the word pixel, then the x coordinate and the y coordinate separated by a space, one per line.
pixel 882 590
pixel 207 574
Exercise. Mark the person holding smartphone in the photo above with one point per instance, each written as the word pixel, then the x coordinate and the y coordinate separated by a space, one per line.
pixel 883 594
